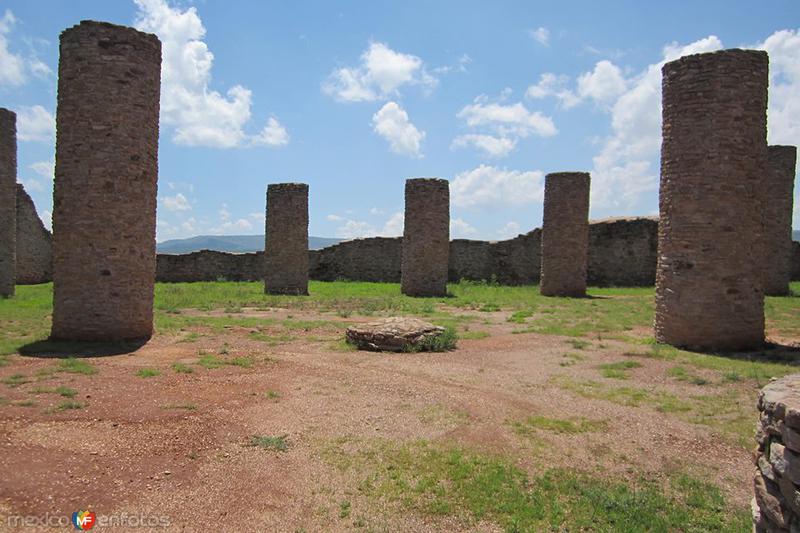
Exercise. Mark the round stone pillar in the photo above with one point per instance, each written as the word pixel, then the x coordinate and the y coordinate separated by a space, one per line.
pixel 104 206
pixel 426 237
pixel 779 191
pixel 286 246
pixel 8 202
pixel 709 278
pixel 565 234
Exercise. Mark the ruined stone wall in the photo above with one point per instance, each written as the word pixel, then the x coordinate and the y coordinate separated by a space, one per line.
pixel 623 252
pixel 104 212
pixel 286 246
pixel 565 234
pixel 426 237
pixel 208 265
pixel 373 259
pixel 34 243
pixel 8 201
pixel 779 192
pixel 776 484
pixel 709 288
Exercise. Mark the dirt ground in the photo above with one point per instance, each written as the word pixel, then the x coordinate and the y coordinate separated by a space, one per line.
pixel 175 445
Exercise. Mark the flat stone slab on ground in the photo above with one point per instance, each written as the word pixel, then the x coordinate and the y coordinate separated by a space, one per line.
pixel 395 334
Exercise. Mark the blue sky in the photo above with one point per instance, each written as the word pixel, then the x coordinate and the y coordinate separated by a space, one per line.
pixel 355 97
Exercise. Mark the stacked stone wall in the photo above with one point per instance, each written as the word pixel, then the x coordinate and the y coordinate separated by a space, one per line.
pixel 104 202
pixel 779 192
pixel 776 483
pixel 34 243
pixel 709 287
pixel 426 237
pixel 286 246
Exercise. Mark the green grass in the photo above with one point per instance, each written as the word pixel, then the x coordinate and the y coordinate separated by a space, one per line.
pixel 474 335
pixel 681 374
pixel 15 380
pixel 76 366
pixel 148 372
pixel 180 406
pixel 210 361
pixel 181 368
pixel 618 370
pixel 243 362
pixel 441 481
pixel 531 424
pixel 67 405
pixel 66 392
pixel 442 342
pixel 272 394
pixel 278 444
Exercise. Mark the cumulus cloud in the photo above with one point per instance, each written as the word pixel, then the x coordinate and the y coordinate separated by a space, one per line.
pixel 35 123
pixel 783 48
pixel 509 231
pixel 45 169
pixel 12 66
pixel 554 85
pixel 604 84
pixel 200 116
pixel 513 119
pixel 176 203
pixel 541 35
pixel 461 229
pixel 358 229
pixel 488 186
pixel 489 144
pixel 391 122
pixel 380 74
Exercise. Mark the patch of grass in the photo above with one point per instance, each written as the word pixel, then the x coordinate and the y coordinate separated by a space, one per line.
pixel 67 405
pixel 681 374
pixel 15 380
pixel 618 370
pixel 148 372
pixel 4 360
pixel 76 366
pixel 570 358
pixel 474 335
pixel 344 509
pixel 557 425
pixel 628 396
pixel 272 394
pixel 191 337
pixel 518 317
pixel 243 362
pixel 180 406
pixel 489 308
pixel 278 444
pixel 210 361
pixel 24 403
pixel 181 368
pixel 579 344
pixel 438 481
pixel 66 392
pixel 443 342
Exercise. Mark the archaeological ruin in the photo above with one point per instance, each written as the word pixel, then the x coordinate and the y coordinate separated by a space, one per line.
pixel 104 207
pixel 565 234
pixel 8 202
pixel 34 243
pixel 709 290
pixel 779 191
pixel 286 246
pixel 426 237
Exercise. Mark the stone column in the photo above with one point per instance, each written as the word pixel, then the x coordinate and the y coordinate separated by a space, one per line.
pixel 776 506
pixel 286 246
pixel 709 278
pixel 779 191
pixel 565 234
pixel 8 202
pixel 426 238
pixel 104 208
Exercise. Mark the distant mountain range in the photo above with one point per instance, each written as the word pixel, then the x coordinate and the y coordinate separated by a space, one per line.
pixel 229 243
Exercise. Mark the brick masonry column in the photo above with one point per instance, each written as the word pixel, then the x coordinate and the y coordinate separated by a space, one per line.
pixel 8 202
pixel 426 238
pixel 565 234
pixel 709 281
pixel 104 208
pixel 779 191
pixel 286 246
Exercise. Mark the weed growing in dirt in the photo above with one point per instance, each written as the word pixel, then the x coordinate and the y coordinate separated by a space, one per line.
pixel 181 368
pixel 148 372
pixel 278 444
pixel 76 366
pixel 443 342
pixel 15 380
pixel 618 370
pixel 67 405
pixel 66 392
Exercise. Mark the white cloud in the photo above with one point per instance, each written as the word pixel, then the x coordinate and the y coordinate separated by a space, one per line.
pixel 376 211
pixel 391 122
pixel 47 220
pixel 32 185
pixel 784 86
pixel 12 66
pixel 627 165
pixel 541 35
pixel 490 145
pixel 358 229
pixel 394 226
pixel 509 231
pixel 45 169
pixel 604 84
pixel 488 186
pixel 334 218
pixel 176 203
pixel 461 229
pixel 514 119
pixel 552 85
pixel 380 75
pixel 35 124
pixel 355 229
pixel 201 116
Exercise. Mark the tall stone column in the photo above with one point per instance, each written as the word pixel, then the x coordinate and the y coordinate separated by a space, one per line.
pixel 286 246
pixel 565 234
pixel 8 202
pixel 709 279
pixel 104 208
pixel 779 191
pixel 426 238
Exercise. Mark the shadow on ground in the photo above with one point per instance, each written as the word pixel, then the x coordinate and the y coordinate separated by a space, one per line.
pixel 57 349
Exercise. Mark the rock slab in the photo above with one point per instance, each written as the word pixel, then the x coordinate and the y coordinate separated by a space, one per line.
pixel 395 334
